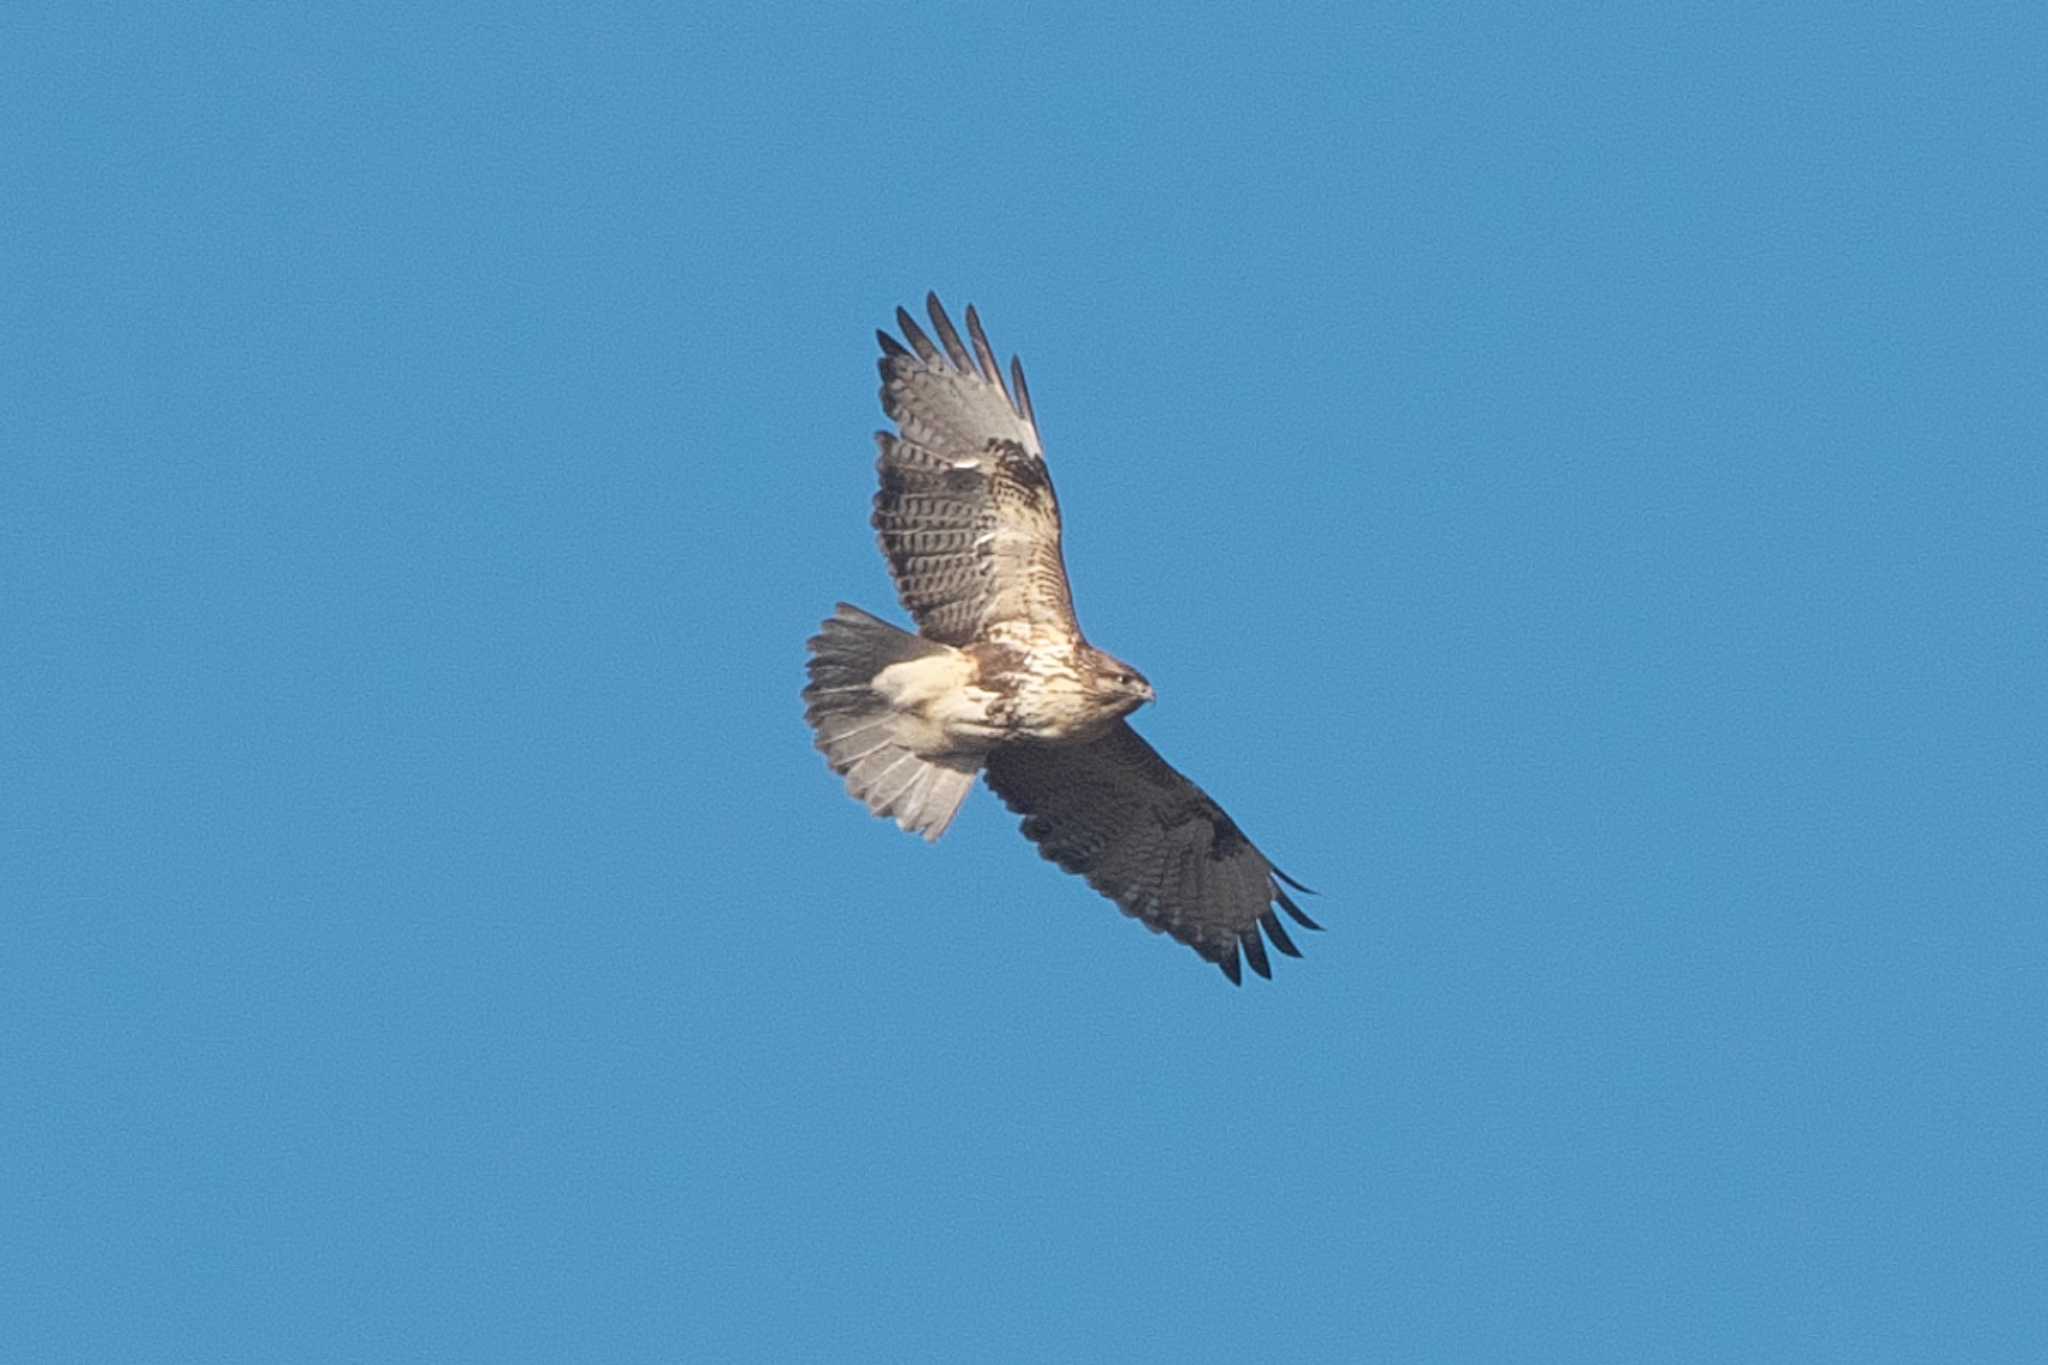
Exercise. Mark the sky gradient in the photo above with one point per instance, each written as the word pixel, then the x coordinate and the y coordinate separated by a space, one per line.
pixel 1573 476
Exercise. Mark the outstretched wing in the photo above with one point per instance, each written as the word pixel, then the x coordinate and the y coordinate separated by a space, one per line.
pixel 1115 812
pixel 967 514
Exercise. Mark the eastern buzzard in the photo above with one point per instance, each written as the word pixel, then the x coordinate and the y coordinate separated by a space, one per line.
pixel 1000 680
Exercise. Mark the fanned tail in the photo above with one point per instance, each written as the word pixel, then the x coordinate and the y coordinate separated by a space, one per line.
pixel 857 729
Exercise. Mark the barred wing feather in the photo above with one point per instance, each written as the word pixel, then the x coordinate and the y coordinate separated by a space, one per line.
pixel 966 512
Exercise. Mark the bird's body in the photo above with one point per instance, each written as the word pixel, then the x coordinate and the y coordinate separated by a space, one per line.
pixel 1055 687
pixel 1001 680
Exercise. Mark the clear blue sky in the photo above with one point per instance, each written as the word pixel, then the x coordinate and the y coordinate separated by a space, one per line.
pixel 1574 475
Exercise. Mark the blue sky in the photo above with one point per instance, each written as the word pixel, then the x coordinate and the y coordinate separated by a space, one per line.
pixel 1573 475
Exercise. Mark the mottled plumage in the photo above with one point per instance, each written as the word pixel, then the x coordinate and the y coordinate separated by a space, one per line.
pixel 1001 680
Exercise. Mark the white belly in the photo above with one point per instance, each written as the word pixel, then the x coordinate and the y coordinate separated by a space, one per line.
pixel 938 708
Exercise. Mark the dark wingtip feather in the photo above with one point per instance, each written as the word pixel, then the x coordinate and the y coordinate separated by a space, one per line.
pixel 1230 968
pixel 1023 393
pixel 914 334
pixel 1255 952
pixel 955 351
pixel 890 345
pixel 1294 911
pixel 1270 922
pixel 1305 890
pixel 985 355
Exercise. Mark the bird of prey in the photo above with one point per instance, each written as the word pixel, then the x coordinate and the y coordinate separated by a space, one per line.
pixel 1000 680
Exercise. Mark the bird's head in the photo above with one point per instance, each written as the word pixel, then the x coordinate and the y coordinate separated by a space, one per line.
pixel 1121 685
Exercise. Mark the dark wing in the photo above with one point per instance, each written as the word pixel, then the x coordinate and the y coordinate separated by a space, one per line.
pixel 967 514
pixel 1115 812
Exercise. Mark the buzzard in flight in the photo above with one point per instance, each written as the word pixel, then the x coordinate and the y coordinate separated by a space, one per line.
pixel 1000 681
